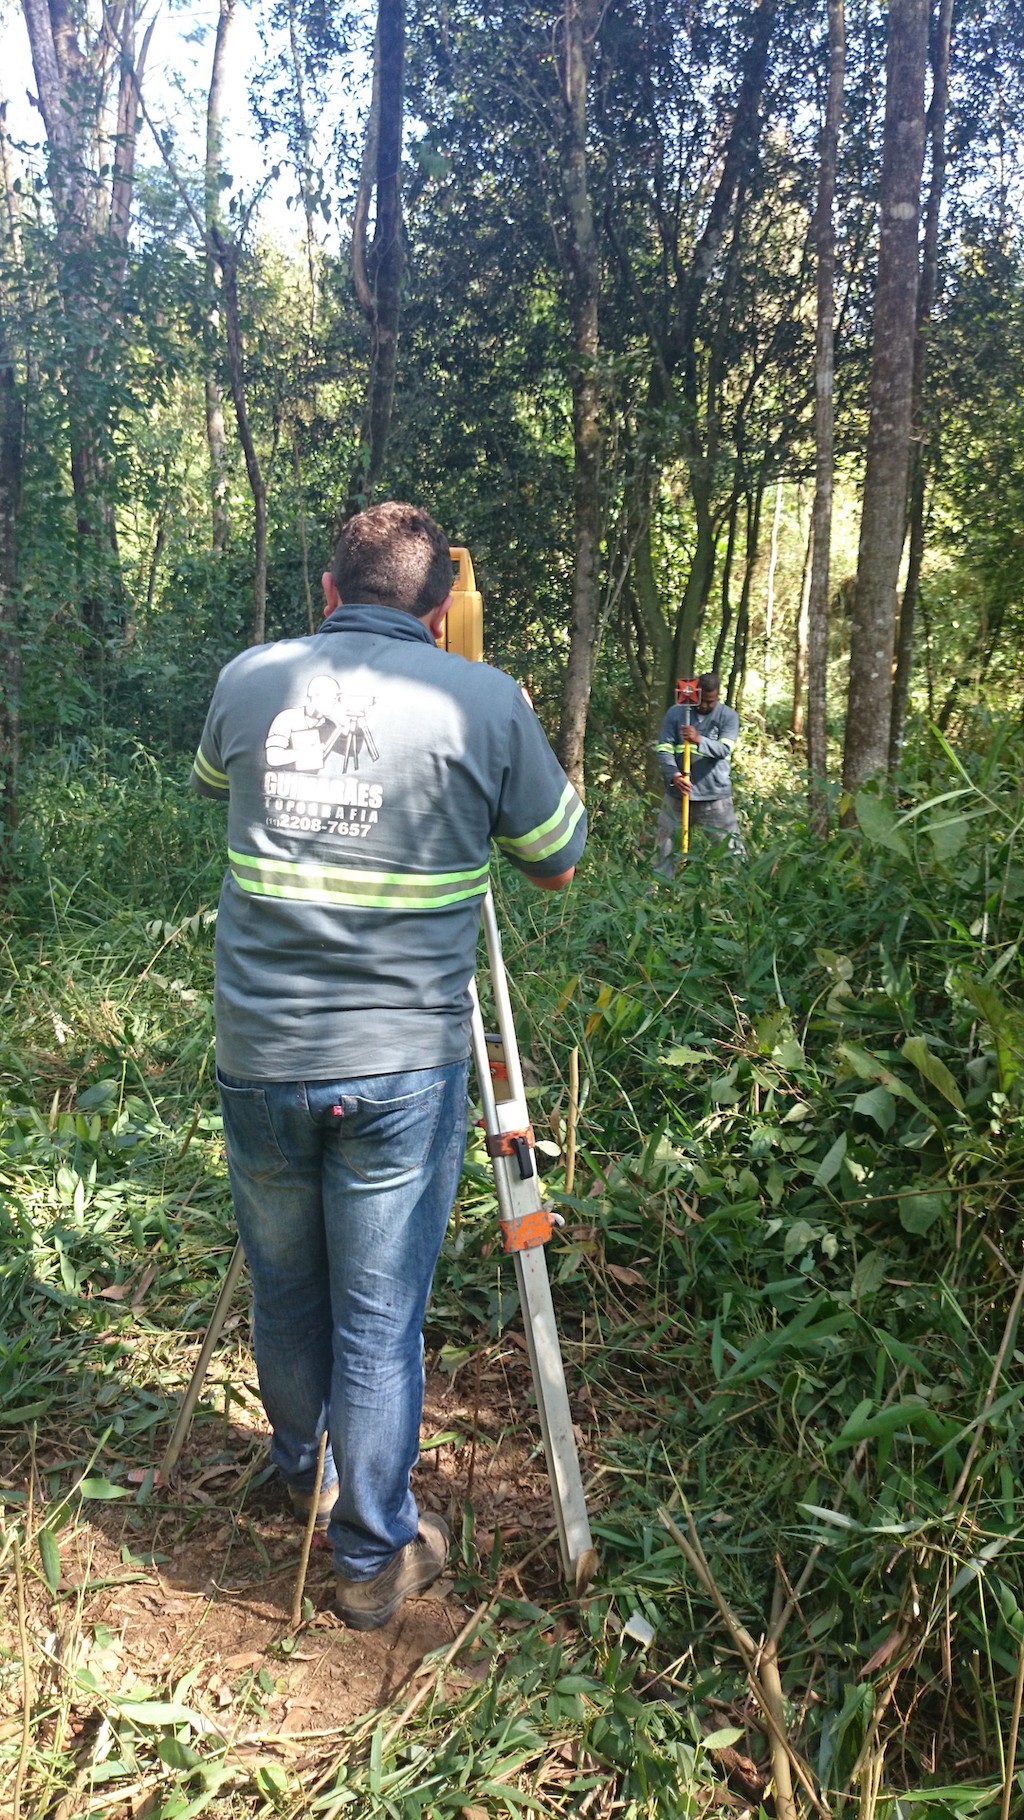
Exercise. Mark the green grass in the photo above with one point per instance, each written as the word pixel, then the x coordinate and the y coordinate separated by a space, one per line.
pixel 788 1287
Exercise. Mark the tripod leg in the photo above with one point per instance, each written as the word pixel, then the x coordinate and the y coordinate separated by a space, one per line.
pixel 518 1198
pixel 202 1366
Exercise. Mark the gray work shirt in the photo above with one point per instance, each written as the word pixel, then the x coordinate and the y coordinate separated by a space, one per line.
pixel 366 774
pixel 710 761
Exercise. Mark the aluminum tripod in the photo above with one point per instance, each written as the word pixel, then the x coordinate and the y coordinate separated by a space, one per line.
pixel 526 1226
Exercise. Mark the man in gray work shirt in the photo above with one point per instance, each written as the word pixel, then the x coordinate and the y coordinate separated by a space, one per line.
pixel 366 774
pixel 711 730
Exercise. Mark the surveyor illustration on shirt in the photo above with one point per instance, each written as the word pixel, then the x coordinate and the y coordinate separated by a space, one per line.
pixel 302 739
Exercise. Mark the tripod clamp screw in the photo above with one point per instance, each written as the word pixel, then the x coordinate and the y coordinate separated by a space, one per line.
pixel 514 1143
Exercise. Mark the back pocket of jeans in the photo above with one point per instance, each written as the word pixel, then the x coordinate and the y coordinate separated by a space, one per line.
pixel 249 1134
pixel 384 1140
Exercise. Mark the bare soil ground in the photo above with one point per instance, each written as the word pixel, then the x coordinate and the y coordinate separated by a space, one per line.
pixel 194 1590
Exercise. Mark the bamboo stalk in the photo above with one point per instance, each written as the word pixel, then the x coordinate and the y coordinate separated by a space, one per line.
pixel 572 1120
pixel 1011 1742
pixel 990 1395
pixel 765 1687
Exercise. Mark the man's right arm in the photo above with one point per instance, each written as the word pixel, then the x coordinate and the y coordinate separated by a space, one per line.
pixel 209 778
pixel 558 883
pixel 541 824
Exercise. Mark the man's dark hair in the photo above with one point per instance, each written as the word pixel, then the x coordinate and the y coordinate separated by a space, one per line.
pixel 393 555
pixel 709 682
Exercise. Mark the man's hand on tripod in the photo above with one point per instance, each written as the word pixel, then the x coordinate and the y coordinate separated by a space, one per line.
pixel 682 785
pixel 690 734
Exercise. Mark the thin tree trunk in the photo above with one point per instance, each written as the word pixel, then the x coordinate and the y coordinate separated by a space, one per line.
pixel 216 437
pixel 257 484
pixel 378 276
pixel 698 581
pixel 926 304
pixel 730 550
pixel 11 444
pixel 72 87
pixel 824 429
pixel 769 602
pixel 579 26
pixel 738 669
pixel 883 510
pixel 798 717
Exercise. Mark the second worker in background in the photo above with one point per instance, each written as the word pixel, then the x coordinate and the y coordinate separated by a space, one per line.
pixel 712 730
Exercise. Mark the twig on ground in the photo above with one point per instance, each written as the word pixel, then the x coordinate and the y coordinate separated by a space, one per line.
pixel 27 1686
pixel 307 1540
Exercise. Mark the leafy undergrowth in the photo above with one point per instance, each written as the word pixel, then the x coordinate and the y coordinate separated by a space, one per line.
pixel 788 1285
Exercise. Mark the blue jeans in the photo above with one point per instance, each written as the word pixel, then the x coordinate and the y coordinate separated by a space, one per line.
pixel 342 1192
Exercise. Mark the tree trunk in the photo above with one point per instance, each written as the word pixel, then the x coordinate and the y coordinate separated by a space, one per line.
pixel 883 509
pixel 378 276
pixel 216 438
pixel 579 26
pixel 798 718
pixel 824 429
pixel 72 89
pixel 738 668
pixel 698 582
pixel 228 256
pixel 11 429
pixel 730 550
pixel 926 304
pixel 769 602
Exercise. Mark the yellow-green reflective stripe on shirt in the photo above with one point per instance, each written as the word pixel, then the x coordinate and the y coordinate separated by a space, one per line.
pixel 209 773
pixel 310 884
pixel 549 836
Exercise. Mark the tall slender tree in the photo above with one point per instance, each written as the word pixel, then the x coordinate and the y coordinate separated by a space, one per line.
pixel 824 422
pixel 577 34
pixel 79 83
pixel 940 53
pixel 216 439
pixel 883 510
pixel 377 267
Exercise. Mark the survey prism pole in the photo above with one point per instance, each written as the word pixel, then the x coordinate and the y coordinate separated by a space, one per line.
pixel 527 1225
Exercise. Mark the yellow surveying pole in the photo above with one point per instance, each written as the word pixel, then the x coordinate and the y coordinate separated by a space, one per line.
pixel 686 799
pixel 688 698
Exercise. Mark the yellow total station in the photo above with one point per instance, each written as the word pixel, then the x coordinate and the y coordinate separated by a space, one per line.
pixel 463 629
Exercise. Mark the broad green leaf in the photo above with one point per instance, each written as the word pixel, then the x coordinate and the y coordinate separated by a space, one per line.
pixel 796 1113
pixel 156 1712
pixel 877 821
pixel 869 1275
pixel 878 1104
pixel 49 1554
pixel 934 1071
pixel 828 1168
pixel 721 1740
pixel 102 1490
pixel 947 837
pixel 919 1212
pixel 682 1057
pixel 723 1092
pixel 798 1236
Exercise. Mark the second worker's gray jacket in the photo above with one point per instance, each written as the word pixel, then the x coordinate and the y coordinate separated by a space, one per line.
pixel 710 761
pixel 366 774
